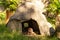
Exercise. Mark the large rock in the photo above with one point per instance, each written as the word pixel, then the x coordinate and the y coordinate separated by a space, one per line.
pixel 30 10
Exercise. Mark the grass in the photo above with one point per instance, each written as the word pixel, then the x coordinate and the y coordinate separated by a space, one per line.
pixel 5 35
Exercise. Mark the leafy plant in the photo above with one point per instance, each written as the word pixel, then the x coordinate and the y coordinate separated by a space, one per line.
pixel 54 7
pixel 11 4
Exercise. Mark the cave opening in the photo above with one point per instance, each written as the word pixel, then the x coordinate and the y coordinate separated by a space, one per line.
pixel 30 24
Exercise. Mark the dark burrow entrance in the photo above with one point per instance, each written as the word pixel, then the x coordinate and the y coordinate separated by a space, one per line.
pixel 30 24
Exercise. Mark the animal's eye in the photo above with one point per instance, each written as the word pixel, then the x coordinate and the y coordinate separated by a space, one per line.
pixel 26 25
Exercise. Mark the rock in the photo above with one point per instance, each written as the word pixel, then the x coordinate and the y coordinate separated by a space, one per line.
pixel 30 11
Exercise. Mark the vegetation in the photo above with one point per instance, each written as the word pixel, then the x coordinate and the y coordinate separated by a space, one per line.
pixel 53 8
pixel 2 17
pixel 6 35
pixel 10 4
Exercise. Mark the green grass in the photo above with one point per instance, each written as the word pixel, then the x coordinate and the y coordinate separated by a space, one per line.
pixel 6 35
